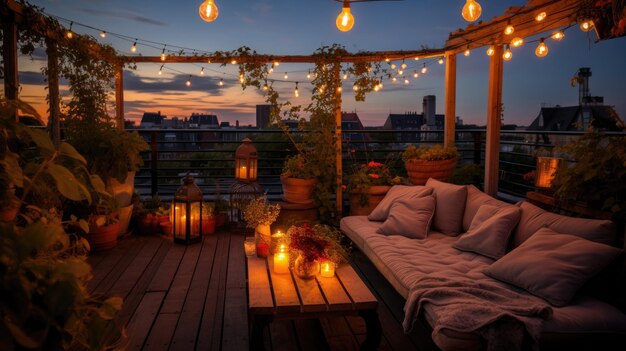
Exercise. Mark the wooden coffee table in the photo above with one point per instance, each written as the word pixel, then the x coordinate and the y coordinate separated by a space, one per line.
pixel 273 297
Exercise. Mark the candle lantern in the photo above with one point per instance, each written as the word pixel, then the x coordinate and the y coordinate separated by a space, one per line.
pixel 186 212
pixel 546 170
pixel 246 162
pixel 327 269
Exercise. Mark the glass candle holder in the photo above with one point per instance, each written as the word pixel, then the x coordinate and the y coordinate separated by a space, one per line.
pixel 278 239
pixel 250 247
pixel 327 269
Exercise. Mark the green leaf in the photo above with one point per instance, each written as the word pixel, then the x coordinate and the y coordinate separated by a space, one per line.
pixel 68 150
pixel 42 139
pixel 67 184
pixel 13 169
pixel 98 184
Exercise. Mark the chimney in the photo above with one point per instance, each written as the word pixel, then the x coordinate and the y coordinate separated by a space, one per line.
pixel 583 84
pixel 428 105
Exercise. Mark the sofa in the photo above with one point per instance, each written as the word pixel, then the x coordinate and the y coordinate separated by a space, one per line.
pixel 481 273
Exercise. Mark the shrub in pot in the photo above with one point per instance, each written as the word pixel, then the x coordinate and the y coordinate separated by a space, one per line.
pixel 298 180
pixel 208 218
pixel 367 186
pixel 425 162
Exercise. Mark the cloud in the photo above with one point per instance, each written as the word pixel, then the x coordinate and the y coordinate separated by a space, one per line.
pixel 125 15
pixel 32 78
pixel 173 84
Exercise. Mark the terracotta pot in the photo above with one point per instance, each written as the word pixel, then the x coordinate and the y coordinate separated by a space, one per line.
pixel 374 195
pixel 220 219
pixel 420 170
pixel 125 214
pixel 166 228
pixel 208 225
pixel 149 225
pixel 103 238
pixel 123 192
pixel 9 213
pixel 298 191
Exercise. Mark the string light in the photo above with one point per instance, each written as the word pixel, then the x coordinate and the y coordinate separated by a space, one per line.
pixel 376 87
pixel 161 70
pixel 394 79
pixel 541 16
pixel 393 66
pixel 188 82
pixel 233 62
pixel 103 34
pixel 345 20
pixel 416 58
pixel 415 74
pixel 286 76
pixel 69 33
pixel 491 50
pixel 322 88
pixel 558 35
pixel 134 47
pixel 400 72
pixel 403 65
pixel 507 55
pixel 355 87
pixel 381 83
pixel 202 71
pixel 424 69
pixel 440 61
pixel 509 29
pixel 471 11
pixel 517 42
pixel 542 49
pixel 296 93
pixel 467 51
pixel 345 76
pixel 387 60
pixel 221 83
pixel 276 63
pixel 265 87
pixel 339 89
pixel 208 11
pixel 308 75
pixel 406 81
pixel 242 78
pixel 586 26
pixel 163 54
pixel 271 70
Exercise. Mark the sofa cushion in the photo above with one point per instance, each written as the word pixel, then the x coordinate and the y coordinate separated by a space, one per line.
pixel 450 206
pixel 475 199
pixel 552 265
pixel 410 217
pixel 490 231
pixel 397 192
pixel 533 218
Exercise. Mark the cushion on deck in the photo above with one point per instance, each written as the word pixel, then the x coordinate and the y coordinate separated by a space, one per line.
pixel 409 217
pixel 397 192
pixel 475 199
pixel 450 206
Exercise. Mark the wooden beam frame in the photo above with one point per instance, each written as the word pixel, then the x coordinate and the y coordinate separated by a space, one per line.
pixel 119 97
pixel 494 112
pixel 450 97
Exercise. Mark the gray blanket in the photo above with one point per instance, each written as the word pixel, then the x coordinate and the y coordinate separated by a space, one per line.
pixel 504 318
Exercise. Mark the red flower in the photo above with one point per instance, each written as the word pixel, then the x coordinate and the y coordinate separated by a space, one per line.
pixel 300 165
pixel 343 187
pixel 374 175
pixel 374 164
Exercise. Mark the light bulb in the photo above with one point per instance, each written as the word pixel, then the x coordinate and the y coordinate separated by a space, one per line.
pixel 321 89
pixel 416 58
pixel 491 50
pixel 276 63
pixel 393 66
pixel 394 79
pixel 134 47
pixel 103 34
pixel 586 26
pixel 296 93
pixel 466 52
pixel 415 74
pixel 541 16
pixel 509 29
pixel 308 75
pixel 163 55
pixel 233 62
pixel 355 87
pixel 221 82
pixel 265 87
pixel 345 20
pixel 345 76
pixel 406 81
pixel 271 70
pixel 242 78
pixel 188 82
pixel 440 61
pixel 69 33
pixel 339 89
pixel 400 72
pixel 286 76
pixel 202 71
pixel 542 49
pixel 471 11
pixel 507 55
pixel 403 65
pixel 558 35
pixel 517 42
pixel 381 84
pixel 424 69
pixel 161 70
pixel 208 11
pixel 376 88
pixel 387 60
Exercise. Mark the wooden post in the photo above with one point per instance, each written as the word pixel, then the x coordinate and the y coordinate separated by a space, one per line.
pixel 338 163
pixel 450 113
pixel 119 96
pixel 53 91
pixel 494 111
pixel 9 55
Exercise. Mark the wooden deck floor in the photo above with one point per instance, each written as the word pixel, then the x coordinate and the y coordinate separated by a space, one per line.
pixel 179 297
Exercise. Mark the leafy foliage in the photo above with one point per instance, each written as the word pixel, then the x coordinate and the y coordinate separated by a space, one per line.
pixel 430 153
pixel 297 166
pixel 371 174
pixel 318 242
pixel 259 211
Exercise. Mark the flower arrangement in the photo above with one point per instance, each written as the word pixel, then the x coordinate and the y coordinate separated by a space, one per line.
pixel 259 212
pixel 371 174
pixel 318 242
pixel 297 166
pixel 430 153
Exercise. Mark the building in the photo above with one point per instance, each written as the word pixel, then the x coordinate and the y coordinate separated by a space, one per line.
pixel 203 121
pixel 412 122
pixel 151 120
pixel 263 113
pixel 350 121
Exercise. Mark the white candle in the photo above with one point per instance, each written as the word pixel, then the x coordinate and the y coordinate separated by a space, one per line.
pixel 328 269
pixel 281 262
pixel 277 239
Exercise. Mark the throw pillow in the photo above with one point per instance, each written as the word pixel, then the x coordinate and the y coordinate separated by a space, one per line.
pixel 410 217
pixel 397 192
pixel 533 218
pixel 490 230
pixel 450 206
pixel 475 199
pixel 553 266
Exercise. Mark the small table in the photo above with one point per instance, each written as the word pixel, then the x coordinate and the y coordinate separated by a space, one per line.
pixel 274 297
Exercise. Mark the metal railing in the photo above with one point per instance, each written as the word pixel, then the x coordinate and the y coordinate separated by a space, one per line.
pixel 209 155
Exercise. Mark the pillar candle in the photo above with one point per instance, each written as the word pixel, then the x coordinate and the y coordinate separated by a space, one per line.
pixel 281 262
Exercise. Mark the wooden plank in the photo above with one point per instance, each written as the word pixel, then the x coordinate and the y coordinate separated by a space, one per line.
pixel 356 288
pixel 494 113
pixel 336 296
pixel 310 295
pixel 450 96
pixel 210 334
pixel 285 294
pixel 121 257
pixel 135 269
pixel 163 280
pixel 310 335
pixel 338 334
pixel 338 141
pixel 141 322
pixel 259 293
pixel 189 321
pixel 161 333
pixel 178 291
pixel 236 318
pixel 283 337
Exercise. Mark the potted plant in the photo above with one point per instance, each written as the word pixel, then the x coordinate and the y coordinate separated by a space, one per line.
pixel 208 218
pixel 367 186
pixel 259 214
pixel 314 244
pixel 220 208
pixel 425 162
pixel 104 226
pixel 298 180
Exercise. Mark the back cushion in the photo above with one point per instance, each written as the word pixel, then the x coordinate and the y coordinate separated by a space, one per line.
pixel 475 199
pixel 450 206
pixel 397 192
pixel 534 218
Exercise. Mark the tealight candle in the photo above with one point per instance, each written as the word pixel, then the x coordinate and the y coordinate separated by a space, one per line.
pixel 249 247
pixel 281 261
pixel 327 269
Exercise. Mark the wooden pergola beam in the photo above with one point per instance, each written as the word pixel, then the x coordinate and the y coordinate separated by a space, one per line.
pixel 560 13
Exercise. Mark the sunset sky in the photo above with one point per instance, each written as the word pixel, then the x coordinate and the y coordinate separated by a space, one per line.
pixel 297 27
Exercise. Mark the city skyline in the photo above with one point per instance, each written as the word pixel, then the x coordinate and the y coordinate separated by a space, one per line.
pixel 278 27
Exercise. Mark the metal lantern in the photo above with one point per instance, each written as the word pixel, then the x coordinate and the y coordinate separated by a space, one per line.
pixel 246 162
pixel 186 212
pixel 546 170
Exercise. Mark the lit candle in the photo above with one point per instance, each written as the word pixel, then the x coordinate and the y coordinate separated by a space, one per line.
pixel 249 247
pixel 277 239
pixel 281 261
pixel 328 269
pixel 242 172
